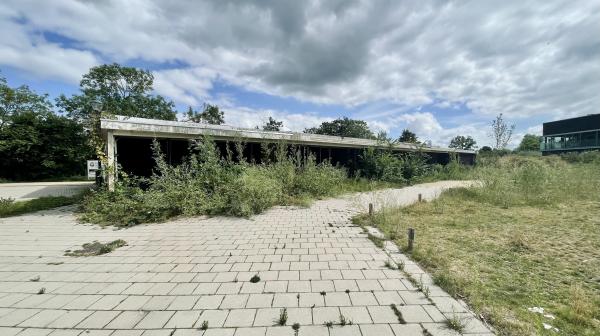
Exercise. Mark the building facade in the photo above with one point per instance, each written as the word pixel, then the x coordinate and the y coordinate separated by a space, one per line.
pixel 129 143
pixel 571 135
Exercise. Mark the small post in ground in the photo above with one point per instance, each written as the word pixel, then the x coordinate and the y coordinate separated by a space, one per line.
pixel 370 209
pixel 420 198
pixel 411 238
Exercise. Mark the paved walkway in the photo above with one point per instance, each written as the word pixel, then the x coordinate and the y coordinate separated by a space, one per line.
pixel 174 276
pixel 29 190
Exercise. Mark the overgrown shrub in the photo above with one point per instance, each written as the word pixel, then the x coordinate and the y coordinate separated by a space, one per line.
pixel 207 184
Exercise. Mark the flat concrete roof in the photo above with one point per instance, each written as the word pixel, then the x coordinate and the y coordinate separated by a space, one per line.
pixel 153 128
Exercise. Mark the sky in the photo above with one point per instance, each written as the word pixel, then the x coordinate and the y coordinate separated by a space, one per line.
pixel 438 68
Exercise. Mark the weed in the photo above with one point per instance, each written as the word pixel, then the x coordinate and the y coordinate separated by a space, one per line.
pixel 204 325
pixel 255 278
pixel 35 279
pixel 390 264
pixel 323 293
pixel 344 321
pixel 455 323
pixel 398 313
pixel 283 317
pixel 296 328
pixel 41 291
pixel 329 324
pixel 96 248
pixel 347 291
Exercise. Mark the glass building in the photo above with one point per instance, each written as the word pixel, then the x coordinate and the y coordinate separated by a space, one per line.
pixel 571 135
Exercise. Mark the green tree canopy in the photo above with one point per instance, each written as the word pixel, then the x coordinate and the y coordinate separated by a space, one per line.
pixel 34 142
pixel 408 137
pixel 14 101
pixel 343 127
pixel 272 125
pixel 462 142
pixel 120 90
pixel 210 114
pixel 530 142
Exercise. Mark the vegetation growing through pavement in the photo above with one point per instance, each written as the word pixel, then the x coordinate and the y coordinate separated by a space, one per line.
pixel 96 248
pixel 527 238
pixel 10 207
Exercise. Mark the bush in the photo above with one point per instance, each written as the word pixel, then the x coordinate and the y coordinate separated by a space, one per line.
pixel 207 184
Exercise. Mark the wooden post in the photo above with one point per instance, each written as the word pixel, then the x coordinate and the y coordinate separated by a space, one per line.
pixel 420 198
pixel 112 163
pixel 370 209
pixel 411 238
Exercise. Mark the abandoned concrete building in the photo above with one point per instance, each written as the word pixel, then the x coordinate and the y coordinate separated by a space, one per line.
pixel 129 143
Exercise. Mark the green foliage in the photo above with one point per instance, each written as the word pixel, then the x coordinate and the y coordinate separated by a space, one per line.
pixel 210 114
pixel 207 184
pixel 387 166
pixel 10 207
pixel 121 90
pixel 462 142
pixel 15 101
pixel 408 137
pixel 583 157
pixel 530 142
pixel 343 127
pixel 272 125
pixel 40 145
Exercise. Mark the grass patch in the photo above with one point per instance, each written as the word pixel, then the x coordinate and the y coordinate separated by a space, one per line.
pixel 529 237
pixel 96 248
pixel 10 207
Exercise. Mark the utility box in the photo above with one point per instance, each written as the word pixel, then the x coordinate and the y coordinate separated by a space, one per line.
pixel 93 166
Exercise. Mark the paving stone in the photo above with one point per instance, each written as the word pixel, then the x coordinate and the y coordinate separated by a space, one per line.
pixel 194 269
pixel 407 329
pixel 348 330
pixel 250 331
pixel 155 320
pixel 234 301
pixel 209 302
pixel 259 301
pixel 126 320
pixel 382 314
pixel 325 314
pixel 240 318
pixel 376 330
pixel 184 319
pixel 98 319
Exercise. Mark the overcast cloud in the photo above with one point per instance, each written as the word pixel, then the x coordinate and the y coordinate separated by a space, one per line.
pixel 526 59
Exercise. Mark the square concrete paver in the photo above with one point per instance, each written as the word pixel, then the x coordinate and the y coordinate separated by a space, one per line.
pixel 173 276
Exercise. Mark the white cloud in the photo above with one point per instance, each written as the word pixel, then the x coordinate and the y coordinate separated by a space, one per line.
pixel 514 57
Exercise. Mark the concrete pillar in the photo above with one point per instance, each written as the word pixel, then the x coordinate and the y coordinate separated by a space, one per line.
pixel 111 169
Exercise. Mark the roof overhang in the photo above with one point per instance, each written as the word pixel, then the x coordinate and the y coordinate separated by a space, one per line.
pixel 152 128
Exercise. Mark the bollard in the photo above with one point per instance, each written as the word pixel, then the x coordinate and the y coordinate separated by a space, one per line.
pixel 370 209
pixel 411 238
pixel 420 198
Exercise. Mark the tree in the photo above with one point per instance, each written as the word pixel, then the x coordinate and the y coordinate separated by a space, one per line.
pixel 462 142
pixel 343 127
pixel 486 149
pixel 272 125
pixel 34 142
pixel 408 137
pixel 14 101
pixel 530 142
pixel 211 114
pixel 501 132
pixel 120 90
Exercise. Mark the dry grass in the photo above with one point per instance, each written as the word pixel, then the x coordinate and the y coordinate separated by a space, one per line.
pixel 504 257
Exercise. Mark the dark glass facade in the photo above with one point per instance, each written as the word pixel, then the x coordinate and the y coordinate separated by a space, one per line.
pixel 575 134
